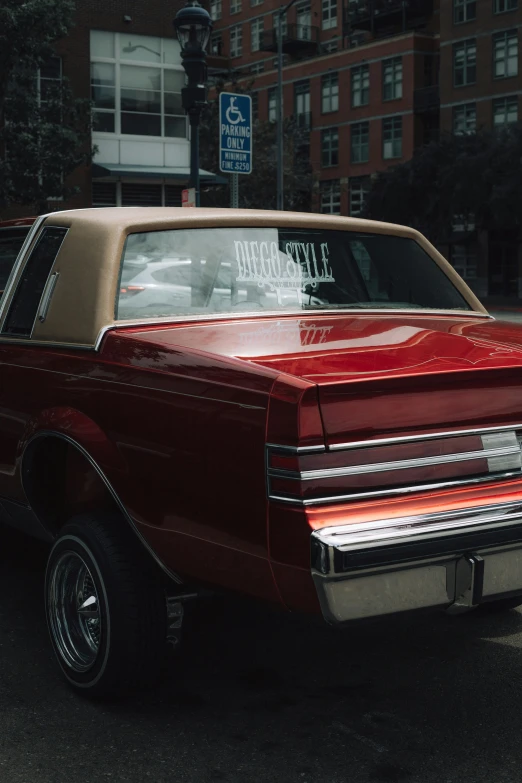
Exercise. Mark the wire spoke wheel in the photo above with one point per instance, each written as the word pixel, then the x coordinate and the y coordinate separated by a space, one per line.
pixel 74 612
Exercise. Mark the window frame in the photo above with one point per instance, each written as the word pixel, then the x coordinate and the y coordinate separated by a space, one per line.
pixel 504 100
pixel 496 4
pixel 116 112
pixel 360 74
pixel 467 109
pixel 331 189
pixel 396 83
pixel 467 66
pixel 498 37
pixel 330 92
pixel 360 127
pixel 390 125
pixel 464 6
pixel 257 28
pixel 328 14
pixel 236 35
pixel 330 147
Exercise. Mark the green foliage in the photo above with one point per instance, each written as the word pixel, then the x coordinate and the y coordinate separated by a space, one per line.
pixel 475 175
pixel 43 138
pixel 259 189
pixel 27 30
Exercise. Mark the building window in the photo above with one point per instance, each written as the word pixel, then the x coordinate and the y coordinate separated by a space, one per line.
pixel 359 189
pixel 255 105
pixel 330 93
pixel 256 33
pixel 392 79
pixel 216 9
pixel 136 83
pixel 464 11
pixel 360 85
pixel 465 62
pixel 329 14
pixel 236 41
pixel 331 197
pixel 360 135
pixel 505 54
pixel 256 2
pixel 392 138
pixel 302 103
pixel 303 17
pixel 272 104
pixel 216 44
pixel 505 111
pixel 501 6
pixel 464 261
pixel 464 119
pixel 330 147
pixel 235 6
pixel 257 67
pixel 284 24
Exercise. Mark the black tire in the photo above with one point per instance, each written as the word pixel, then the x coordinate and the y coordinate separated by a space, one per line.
pixel 502 605
pixel 107 624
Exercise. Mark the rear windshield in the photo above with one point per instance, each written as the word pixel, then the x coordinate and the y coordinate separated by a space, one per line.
pixel 228 270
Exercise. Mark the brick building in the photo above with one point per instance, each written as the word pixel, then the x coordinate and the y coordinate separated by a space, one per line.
pixel 360 80
pixel 480 88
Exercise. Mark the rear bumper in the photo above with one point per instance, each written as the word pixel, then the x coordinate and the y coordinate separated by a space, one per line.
pixel 452 559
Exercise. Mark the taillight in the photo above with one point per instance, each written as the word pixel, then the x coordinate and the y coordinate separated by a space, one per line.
pixel 409 464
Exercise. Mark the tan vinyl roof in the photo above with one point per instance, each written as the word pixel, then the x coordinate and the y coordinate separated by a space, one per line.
pixel 88 263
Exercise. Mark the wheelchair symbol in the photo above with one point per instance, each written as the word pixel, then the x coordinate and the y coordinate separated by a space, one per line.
pixel 233 111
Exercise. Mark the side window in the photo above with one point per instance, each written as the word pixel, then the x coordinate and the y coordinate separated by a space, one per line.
pixel 24 307
pixel 11 240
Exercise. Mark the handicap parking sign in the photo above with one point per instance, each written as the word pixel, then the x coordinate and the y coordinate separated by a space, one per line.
pixel 235 133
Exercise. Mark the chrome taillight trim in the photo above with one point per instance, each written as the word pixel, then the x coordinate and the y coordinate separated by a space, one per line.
pixel 385 467
pixel 501 450
pixel 394 491
pixel 427 436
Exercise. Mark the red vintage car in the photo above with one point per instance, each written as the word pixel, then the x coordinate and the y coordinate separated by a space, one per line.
pixel 308 409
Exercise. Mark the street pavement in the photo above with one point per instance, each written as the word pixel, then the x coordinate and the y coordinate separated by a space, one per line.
pixel 260 696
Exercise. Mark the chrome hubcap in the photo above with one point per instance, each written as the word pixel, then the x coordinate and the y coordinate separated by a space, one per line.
pixel 74 612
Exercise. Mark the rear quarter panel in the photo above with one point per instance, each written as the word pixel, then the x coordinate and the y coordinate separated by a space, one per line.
pixel 179 434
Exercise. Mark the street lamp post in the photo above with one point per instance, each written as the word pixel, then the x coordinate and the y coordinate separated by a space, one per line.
pixel 280 161
pixel 193 25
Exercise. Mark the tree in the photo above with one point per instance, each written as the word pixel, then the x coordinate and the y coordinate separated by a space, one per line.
pixel 44 136
pixel 473 176
pixel 259 189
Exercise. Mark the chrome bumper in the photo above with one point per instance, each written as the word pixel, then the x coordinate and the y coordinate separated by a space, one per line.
pixel 448 560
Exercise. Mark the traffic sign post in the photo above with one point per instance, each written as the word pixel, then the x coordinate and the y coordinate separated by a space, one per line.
pixel 235 138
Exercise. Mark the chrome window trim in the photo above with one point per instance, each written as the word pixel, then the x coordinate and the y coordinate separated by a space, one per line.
pixel 429 436
pixel 47 295
pixel 18 264
pixel 256 315
pixel 295 449
pixel 407 490
pixel 384 467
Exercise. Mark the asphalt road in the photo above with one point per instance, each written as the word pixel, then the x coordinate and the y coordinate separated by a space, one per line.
pixel 261 696
pixel 258 696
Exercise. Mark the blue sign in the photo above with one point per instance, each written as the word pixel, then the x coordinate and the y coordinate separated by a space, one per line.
pixel 235 133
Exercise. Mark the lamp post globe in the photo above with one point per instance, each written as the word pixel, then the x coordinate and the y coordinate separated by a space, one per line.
pixel 193 26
